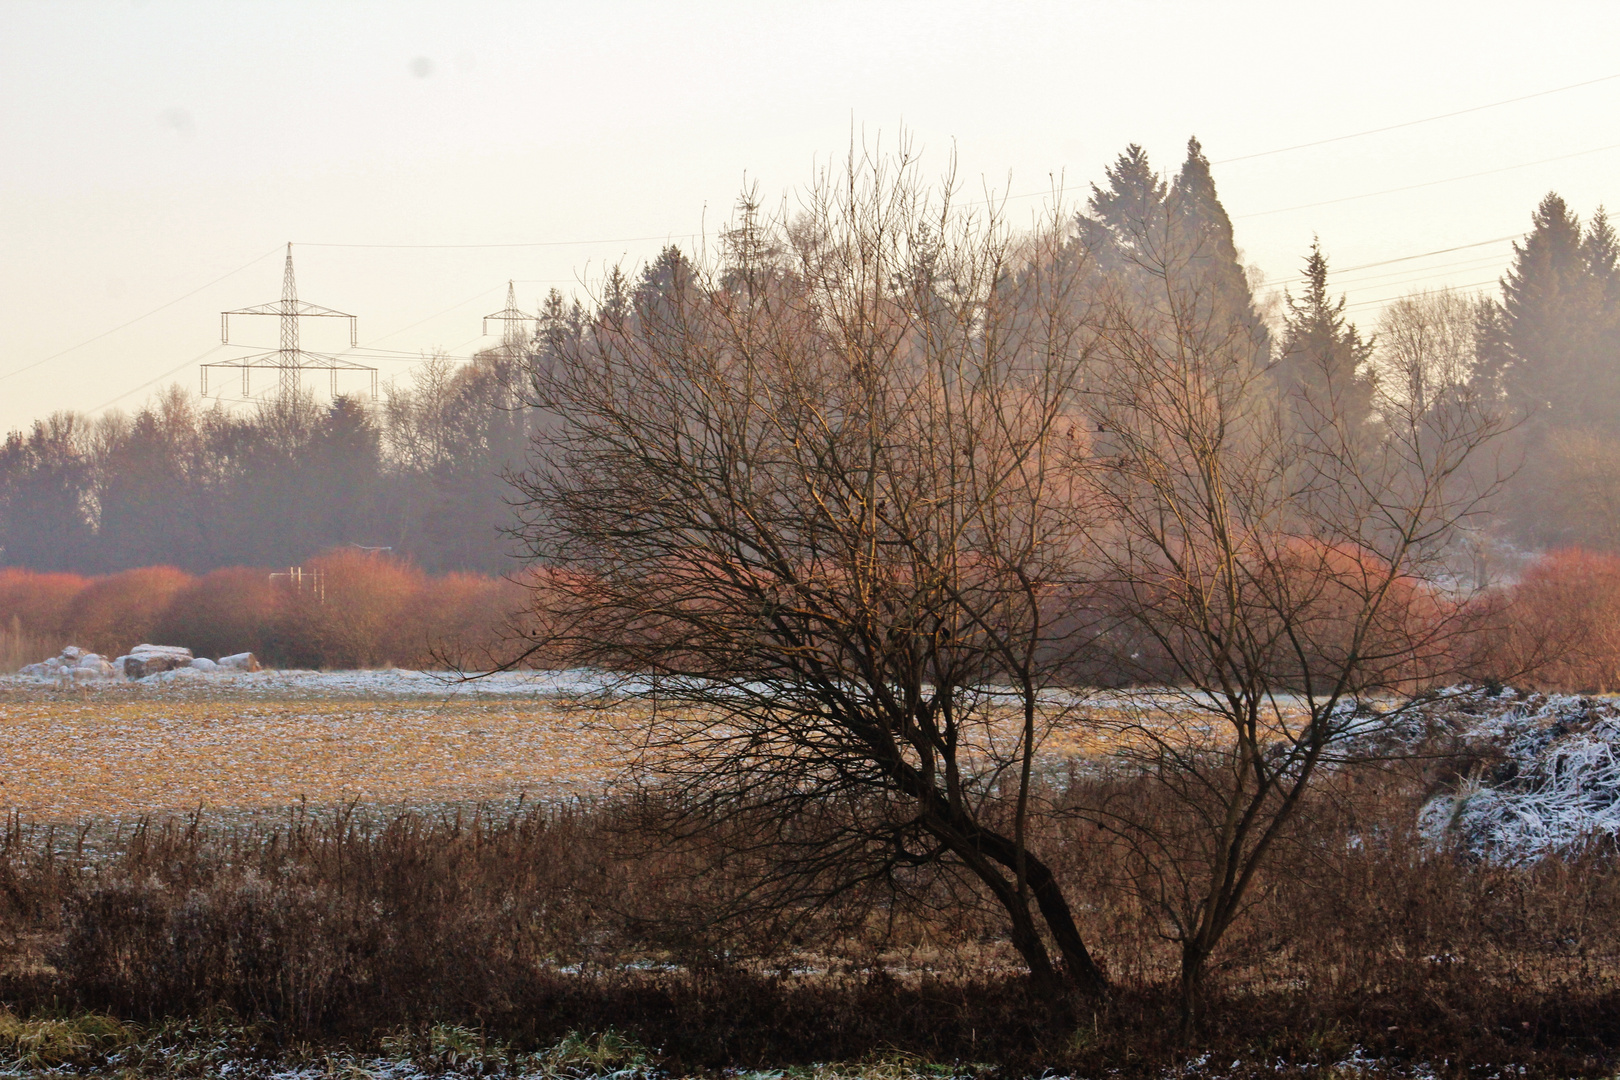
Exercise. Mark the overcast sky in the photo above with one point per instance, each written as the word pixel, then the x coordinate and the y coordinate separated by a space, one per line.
pixel 152 148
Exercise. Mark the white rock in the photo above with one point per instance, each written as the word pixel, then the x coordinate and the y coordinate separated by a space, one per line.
pixel 72 652
pixel 202 663
pixel 242 661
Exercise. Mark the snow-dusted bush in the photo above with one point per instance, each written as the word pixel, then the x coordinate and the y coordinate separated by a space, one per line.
pixel 1554 787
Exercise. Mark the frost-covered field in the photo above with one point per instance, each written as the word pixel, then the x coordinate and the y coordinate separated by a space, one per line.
pixel 1549 779
pixel 385 682
pixel 185 739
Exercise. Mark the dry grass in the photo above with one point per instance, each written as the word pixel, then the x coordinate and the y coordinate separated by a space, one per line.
pixel 74 756
pixel 567 915
pixel 19 646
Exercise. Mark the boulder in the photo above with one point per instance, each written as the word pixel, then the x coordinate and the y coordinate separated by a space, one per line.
pixel 202 663
pixel 242 661
pixel 144 660
pixel 91 666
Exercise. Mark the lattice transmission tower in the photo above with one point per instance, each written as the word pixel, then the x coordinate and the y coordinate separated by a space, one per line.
pixel 290 361
pixel 514 337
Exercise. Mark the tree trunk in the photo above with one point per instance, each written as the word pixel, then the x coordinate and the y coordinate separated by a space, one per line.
pixel 1192 988
pixel 1078 964
pixel 1026 938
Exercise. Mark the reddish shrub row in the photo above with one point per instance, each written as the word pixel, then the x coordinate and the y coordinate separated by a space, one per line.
pixel 1563 622
pixel 351 609
pixel 1558 627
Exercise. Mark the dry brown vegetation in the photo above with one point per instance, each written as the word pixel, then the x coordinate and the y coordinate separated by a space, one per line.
pixel 527 925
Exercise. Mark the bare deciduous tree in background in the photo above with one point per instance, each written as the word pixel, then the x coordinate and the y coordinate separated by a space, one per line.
pixel 1282 565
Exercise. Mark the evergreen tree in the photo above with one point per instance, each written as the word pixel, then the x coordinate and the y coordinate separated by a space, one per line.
pixel 1320 368
pixel 1126 221
pixel 1140 230
pixel 1531 343
pixel 1551 345
pixel 1204 233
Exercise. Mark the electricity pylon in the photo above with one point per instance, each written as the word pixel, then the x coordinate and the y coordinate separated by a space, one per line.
pixel 290 361
pixel 513 335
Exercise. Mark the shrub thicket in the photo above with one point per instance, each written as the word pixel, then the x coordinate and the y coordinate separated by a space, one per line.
pixel 351 609
pixel 528 924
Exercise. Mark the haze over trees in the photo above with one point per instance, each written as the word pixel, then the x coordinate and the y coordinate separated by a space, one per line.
pixel 201 487
pixel 423 473
pixel 852 511
pixel 858 501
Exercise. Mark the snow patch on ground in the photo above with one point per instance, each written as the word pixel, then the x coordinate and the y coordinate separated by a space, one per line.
pixel 1550 782
pixel 382 682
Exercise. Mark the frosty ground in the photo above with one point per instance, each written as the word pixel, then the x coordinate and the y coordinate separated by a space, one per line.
pixel 241 741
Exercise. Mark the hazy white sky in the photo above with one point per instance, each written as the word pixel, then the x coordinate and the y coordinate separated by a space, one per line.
pixel 146 149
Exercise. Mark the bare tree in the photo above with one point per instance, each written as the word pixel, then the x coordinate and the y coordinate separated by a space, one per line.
pixel 1281 566
pixel 813 500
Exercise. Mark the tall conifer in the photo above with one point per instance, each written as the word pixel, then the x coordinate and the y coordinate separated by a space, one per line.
pixel 1205 231
pixel 1321 361
pixel 1139 222
pixel 1531 343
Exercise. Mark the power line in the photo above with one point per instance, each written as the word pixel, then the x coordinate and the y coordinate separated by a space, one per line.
pixel 526 244
pixel 1408 258
pixel 1429 183
pixel 138 318
pixel 430 318
pixel 1392 299
pixel 172 371
pixel 1337 282
pixel 1369 131
pixel 1414 123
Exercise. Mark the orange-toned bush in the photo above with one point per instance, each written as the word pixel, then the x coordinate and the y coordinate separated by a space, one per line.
pixel 225 611
pixel 1563 622
pixel 352 610
pixel 40 603
pixel 1340 600
pixel 117 612
pixel 464 620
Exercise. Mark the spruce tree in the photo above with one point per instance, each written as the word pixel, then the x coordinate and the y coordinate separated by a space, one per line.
pixel 1531 342
pixel 1204 233
pixel 1320 366
pixel 1126 220
pixel 1140 230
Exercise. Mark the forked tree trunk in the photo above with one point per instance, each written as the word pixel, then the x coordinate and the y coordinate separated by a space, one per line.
pixel 1080 971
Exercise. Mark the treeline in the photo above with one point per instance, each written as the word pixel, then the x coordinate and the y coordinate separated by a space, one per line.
pixel 349 609
pixel 424 473
pixel 203 487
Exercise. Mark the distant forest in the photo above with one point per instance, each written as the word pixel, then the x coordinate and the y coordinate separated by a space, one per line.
pixel 202 486
pixel 423 472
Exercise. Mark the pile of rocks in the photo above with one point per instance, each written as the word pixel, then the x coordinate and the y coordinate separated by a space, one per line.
pixel 74 664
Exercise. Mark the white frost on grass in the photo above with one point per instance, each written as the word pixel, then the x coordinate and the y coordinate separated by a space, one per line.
pixel 380 682
pixel 1555 786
